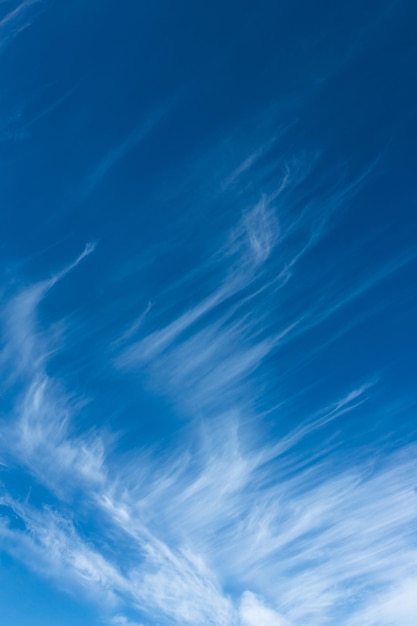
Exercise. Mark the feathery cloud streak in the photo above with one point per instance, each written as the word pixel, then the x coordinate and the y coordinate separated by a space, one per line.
pixel 210 518
pixel 208 419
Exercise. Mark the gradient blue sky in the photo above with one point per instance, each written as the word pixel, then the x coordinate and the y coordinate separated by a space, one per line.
pixel 208 304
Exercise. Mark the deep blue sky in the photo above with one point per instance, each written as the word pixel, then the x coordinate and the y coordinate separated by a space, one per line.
pixel 208 302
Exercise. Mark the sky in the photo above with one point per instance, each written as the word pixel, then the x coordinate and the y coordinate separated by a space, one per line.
pixel 208 295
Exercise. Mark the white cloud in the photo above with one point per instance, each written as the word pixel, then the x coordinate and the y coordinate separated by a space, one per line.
pixel 116 154
pixel 262 231
pixel 121 620
pixel 39 435
pixel 225 526
pixel 254 613
pixel 49 544
pixel 237 265
pixel 16 20
pixel 398 605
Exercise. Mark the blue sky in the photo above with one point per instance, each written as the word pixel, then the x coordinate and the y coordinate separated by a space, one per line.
pixel 208 303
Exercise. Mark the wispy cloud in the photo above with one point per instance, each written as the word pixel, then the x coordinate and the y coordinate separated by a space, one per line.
pixel 39 435
pixel 226 527
pixel 210 520
pixel 198 426
pixel 116 154
pixel 254 613
pixel 16 20
pixel 23 349
pixel 121 620
pixel 49 543
pixel 264 297
pixel 310 541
